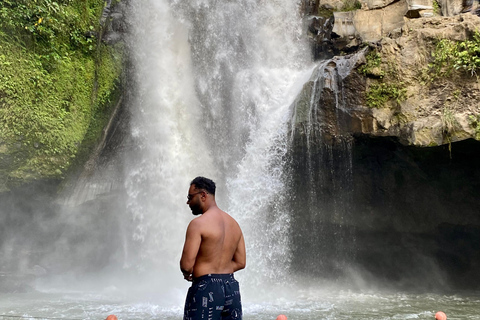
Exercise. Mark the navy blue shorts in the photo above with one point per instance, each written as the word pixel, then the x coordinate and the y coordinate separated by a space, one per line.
pixel 213 296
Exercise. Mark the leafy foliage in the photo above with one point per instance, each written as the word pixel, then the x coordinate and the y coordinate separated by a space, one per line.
pixel 443 54
pixel 49 27
pixel 450 56
pixel 468 54
pixel 379 94
pixel 384 75
pixel 55 79
pixel 372 65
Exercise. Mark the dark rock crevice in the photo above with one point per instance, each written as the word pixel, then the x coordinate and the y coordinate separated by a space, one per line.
pixel 403 215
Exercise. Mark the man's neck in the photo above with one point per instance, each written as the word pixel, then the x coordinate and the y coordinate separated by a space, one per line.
pixel 210 206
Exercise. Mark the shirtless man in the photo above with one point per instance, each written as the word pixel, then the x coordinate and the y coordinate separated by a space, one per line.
pixel 214 249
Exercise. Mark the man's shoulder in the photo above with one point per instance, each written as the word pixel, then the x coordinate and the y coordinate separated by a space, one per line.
pixel 213 216
pixel 196 223
pixel 229 217
pixel 200 222
pixel 231 220
pixel 207 218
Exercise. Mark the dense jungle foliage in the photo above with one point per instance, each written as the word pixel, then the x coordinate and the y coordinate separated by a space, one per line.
pixel 57 84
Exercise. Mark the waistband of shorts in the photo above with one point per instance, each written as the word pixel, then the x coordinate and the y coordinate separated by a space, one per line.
pixel 222 276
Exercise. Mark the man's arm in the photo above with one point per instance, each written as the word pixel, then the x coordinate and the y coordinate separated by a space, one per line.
pixel 239 259
pixel 193 239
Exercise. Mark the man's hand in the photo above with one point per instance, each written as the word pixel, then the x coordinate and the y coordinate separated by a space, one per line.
pixel 188 277
pixel 187 274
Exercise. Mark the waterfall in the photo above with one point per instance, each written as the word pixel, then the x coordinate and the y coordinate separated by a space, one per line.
pixel 213 90
pixel 321 162
pixel 213 84
pixel 228 90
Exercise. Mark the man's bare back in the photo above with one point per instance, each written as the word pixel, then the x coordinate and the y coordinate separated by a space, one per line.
pixel 214 249
pixel 214 242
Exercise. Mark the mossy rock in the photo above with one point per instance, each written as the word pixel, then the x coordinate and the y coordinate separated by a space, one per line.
pixel 57 85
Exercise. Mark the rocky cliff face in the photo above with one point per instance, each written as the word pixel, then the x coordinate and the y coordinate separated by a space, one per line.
pixel 404 86
pixel 384 150
pixel 418 79
pixel 435 106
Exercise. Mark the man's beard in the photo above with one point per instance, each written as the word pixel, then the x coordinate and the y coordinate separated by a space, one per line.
pixel 196 210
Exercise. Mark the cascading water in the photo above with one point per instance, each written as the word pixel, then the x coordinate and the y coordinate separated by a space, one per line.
pixel 321 159
pixel 214 82
pixel 213 92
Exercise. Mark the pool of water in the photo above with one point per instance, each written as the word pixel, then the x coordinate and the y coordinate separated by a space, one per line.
pixel 303 304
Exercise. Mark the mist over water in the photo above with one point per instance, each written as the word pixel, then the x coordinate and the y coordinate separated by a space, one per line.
pixel 212 86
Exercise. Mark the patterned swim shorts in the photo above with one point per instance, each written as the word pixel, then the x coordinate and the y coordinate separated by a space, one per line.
pixel 212 297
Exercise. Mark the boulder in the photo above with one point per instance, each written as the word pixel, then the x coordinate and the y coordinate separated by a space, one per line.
pixel 377 4
pixel 331 4
pixel 370 25
pixel 453 7
pixel 420 8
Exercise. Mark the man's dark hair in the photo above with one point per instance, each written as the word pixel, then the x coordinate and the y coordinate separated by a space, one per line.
pixel 204 183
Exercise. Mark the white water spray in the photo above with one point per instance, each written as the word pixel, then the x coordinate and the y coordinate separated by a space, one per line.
pixel 214 85
pixel 169 146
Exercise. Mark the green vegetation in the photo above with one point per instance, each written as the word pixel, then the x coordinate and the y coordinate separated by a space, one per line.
pixel 468 54
pixel 378 94
pixel 347 5
pixel 450 56
pixel 448 126
pixel 51 29
pixel 475 123
pixel 56 84
pixel 350 5
pixel 436 8
pixel 443 56
pixel 448 121
pixel 372 66
pixel 386 85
